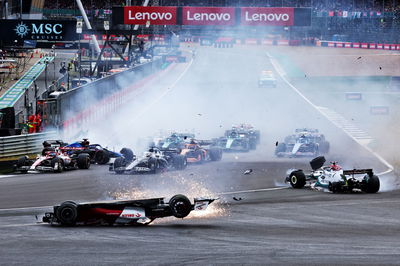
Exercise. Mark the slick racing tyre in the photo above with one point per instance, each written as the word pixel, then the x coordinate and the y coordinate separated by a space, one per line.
pixel 119 162
pixel 67 213
pixel 101 157
pixel 23 161
pixel 57 164
pixel 279 149
pixel 179 162
pixel 180 206
pixel 371 184
pixel 215 154
pixel 83 161
pixel 297 179
pixel 127 153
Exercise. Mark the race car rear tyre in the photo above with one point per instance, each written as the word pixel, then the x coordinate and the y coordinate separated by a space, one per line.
pixel 57 164
pixel 180 206
pixel 372 184
pixel 317 162
pixel 119 162
pixel 101 157
pixel 215 154
pixel 83 161
pixel 297 179
pixel 127 153
pixel 67 213
pixel 180 162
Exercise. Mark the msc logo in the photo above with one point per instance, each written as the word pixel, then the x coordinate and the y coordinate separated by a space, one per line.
pixel 40 30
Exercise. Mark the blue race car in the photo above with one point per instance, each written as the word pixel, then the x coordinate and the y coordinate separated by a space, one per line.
pixel 97 153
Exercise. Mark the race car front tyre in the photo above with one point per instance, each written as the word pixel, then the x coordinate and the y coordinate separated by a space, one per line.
pixel 371 184
pixel 180 206
pixel 280 149
pixel 101 157
pixel 57 164
pixel 67 213
pixel 297 179
pixel 127 153
pixel 83 161
pixel 23 161
pixel 119 162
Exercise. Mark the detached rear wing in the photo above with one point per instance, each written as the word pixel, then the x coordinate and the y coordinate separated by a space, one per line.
pixel 370 172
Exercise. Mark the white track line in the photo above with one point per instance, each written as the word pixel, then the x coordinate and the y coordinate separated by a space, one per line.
pixel 251 191
pixel 337 116
pixel 25 208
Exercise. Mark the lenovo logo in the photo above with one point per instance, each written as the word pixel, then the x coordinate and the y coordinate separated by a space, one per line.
pixel 142 15
pixel 208 16
pixel 252 16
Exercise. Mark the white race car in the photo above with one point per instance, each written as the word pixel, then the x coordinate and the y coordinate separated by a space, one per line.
pixel 334 178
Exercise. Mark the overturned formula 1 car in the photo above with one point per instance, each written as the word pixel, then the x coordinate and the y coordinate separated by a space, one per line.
pixel 305 142
pixel 334 178
pixel 123 212
pixel 153 161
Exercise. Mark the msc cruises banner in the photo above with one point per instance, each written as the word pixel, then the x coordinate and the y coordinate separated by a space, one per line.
pixel 51 30
pixel 212 16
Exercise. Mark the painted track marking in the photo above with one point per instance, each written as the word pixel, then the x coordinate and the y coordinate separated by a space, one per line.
pixel 361 142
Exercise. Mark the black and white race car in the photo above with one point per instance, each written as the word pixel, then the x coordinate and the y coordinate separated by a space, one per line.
pixel 334 178
pixel 153 161
pixel 53 159
pixel 305 142
pixel 123 212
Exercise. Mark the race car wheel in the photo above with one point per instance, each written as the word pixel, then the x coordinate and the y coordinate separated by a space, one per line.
pixel 180 162
pixel 154 166
pixel 101 157
pixel 57 164
pixel 67 213
pixel 119 162
pixel 297 179
pixel 253 144
pixel 215 154
pixel 127 153
pixel 83 161
pixel 180 206
pixel 324 147
pixel 371 184
pixel 279 149
pixel 23 161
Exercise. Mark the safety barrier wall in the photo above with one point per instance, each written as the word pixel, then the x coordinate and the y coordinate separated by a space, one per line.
pixel 358 45
pixel 107 104
pixel 26 144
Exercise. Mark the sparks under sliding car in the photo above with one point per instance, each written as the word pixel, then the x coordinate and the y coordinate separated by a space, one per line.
pixel 123 212
pixel 267 79
pixel 52 159
pixel 305 142
pixel 334 178
pixel 97 153
pixel 152 162
pixel 240 138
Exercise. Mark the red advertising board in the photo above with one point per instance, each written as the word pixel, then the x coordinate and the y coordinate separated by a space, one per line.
pixel 208 16
pixel 141 15
pixel 267 16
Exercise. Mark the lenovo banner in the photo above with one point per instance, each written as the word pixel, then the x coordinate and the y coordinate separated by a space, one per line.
pixel 264 16
pixel 208 16
pixel 142 15
pixel 212 16
pixel 51 30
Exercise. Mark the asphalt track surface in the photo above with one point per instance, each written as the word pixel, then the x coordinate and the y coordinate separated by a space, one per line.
pixel 284 226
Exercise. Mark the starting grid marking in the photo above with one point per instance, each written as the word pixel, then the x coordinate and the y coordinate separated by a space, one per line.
pixel 339 121
pixel 347 126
